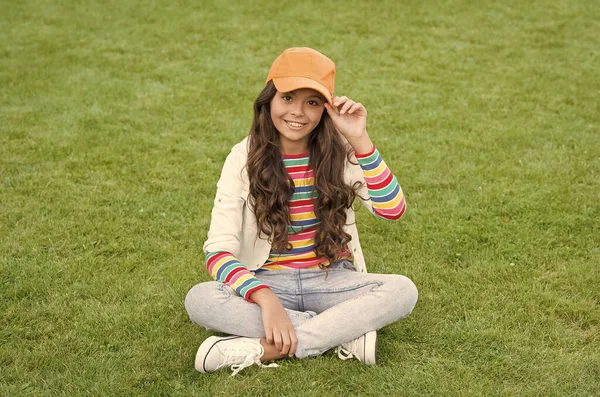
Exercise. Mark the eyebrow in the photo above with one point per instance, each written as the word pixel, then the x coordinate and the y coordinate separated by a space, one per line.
pixel 318 96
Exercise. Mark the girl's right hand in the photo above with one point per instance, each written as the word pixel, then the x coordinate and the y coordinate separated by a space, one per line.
pixel 278 327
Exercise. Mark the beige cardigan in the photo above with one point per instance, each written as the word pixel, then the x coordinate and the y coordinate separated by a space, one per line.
pixel 233 224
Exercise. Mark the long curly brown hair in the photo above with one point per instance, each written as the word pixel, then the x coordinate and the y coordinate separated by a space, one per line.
pixel 271 187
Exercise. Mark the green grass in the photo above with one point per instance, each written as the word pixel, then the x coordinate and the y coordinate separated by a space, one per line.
pixel 116 116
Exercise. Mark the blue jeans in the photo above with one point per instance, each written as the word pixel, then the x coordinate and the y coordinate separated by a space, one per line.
pixel 326 309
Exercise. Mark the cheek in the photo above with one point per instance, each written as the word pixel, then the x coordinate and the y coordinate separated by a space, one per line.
pixel 274 114
pixel 316 114
pixel 277 111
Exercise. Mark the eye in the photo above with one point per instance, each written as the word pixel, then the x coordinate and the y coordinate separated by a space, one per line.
pixel 312 102
pixel 286 98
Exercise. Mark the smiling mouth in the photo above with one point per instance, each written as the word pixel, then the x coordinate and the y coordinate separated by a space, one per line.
pixel 295 124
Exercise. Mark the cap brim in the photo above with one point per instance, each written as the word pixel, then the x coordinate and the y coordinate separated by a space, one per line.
pixel 287 84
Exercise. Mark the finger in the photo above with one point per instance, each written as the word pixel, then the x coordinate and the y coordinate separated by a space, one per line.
pixel 277 339
pixel 331 111
pixel 285 337
pixel 269 335
pixel 355 107
pixel 294 343
pixel 346 106
pixel 340 100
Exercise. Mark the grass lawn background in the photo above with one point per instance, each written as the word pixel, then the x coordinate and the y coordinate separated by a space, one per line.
pixel 116 117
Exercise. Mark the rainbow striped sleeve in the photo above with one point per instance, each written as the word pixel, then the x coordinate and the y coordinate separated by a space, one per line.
pixel 225 268
pixel 384 190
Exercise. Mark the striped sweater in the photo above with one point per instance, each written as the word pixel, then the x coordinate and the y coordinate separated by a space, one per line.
pixel 388 203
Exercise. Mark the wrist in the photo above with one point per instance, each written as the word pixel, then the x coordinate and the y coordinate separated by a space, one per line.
pixel 263 297
pixel 361 144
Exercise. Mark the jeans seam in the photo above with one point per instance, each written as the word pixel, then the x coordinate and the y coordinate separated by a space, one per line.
pixel 375 283
pixel 301 295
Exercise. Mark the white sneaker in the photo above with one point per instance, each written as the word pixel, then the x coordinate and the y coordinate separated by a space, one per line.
pixel 238 352
pixel 363 348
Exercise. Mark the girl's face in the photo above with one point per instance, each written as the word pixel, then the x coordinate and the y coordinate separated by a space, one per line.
pixel 295 114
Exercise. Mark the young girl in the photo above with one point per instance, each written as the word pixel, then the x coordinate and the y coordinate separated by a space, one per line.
pixel 283 245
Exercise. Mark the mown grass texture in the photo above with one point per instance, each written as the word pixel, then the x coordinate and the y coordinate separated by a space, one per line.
pixel 115 119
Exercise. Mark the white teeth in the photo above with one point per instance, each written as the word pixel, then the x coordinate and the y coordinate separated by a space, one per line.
pixel 293 124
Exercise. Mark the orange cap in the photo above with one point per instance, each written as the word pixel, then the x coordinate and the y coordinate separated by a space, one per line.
pixel 303 68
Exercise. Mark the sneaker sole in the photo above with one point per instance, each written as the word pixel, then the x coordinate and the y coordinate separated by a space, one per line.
pixel 205 348
pixel 370 348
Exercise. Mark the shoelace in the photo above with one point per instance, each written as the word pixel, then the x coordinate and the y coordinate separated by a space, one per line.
pixel 250 359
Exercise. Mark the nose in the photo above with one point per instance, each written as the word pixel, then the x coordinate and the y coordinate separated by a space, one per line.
pixel 297 111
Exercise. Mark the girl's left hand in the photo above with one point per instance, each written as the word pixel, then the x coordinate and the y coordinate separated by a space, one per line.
pixel 351 121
